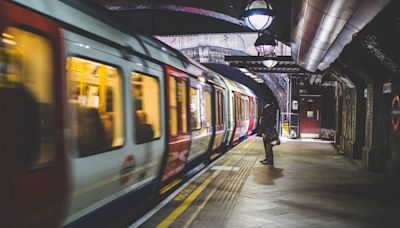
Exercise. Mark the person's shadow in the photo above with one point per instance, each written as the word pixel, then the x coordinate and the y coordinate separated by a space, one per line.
pixel 266 174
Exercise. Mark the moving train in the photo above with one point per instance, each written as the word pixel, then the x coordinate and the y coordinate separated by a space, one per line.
pixel 95 119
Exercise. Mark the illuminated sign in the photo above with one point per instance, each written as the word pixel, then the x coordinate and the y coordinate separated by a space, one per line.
pixel 395 113
pixel 387 87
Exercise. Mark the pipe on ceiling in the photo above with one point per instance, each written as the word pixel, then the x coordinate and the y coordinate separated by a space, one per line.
pixel 322 28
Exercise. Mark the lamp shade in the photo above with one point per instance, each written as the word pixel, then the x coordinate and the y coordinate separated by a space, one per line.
pixel 258 15
pixel 265 44
pixel 269 63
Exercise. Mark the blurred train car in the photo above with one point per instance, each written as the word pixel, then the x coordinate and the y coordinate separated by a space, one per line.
pixel 96 119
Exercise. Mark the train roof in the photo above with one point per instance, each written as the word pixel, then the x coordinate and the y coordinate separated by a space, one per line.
pixel 72 13
pixel 98 25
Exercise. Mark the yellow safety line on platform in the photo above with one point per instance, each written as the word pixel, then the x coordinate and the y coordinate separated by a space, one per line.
pixel 196 213
pixel 170 186
pixel 189 200
pixel 181 208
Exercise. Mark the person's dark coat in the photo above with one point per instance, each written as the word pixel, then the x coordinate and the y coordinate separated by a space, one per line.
pixel 267 122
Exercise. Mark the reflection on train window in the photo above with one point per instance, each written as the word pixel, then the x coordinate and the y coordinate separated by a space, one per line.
pixel 26 73
pixel 146 98
pixel 173 107
pixel 95 101
pixel 195 122
pixel 207 109
pixel 183 93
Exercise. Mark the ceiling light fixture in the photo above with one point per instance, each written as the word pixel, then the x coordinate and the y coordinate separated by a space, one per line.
pixel 258 15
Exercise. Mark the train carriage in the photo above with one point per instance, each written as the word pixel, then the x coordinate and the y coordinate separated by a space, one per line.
pixel 114 117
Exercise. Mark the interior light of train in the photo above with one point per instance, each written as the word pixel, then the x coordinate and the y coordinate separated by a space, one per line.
pixel 202 79
pixel 7 36
pixel 8 41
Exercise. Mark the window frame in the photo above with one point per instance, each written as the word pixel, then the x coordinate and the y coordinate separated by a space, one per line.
pixel 134 106
pixel 198 107
pixel 169 106
pixel 123 108
pixel 56 61
pixel 205 108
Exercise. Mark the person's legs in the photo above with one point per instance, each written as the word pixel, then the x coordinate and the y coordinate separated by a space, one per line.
pixel 269 155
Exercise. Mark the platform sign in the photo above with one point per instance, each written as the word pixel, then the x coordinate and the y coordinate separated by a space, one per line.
pixel 395 113
pixel 310 114
pixel 387 87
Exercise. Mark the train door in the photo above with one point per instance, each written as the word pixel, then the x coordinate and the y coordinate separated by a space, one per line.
pixel 219 117
pixel 179 131
pixel 246 116
pixel 251 113
pixel 238 108
pixel 201 118
pixel 32 149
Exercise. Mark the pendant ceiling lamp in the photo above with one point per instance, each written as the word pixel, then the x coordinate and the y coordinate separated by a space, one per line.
pixel 265 44
pixel 258 15
pixel 270 63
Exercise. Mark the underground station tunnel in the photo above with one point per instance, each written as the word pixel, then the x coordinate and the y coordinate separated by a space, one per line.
pixel 228 113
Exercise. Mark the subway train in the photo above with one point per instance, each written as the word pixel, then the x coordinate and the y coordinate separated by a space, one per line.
pixel 95 119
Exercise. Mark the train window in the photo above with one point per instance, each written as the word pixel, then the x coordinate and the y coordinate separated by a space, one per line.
pixel 95 100
pixel 195 122
pixel 222 107
pixel 173 107
pixel 146 99
pixel 26 71
pixel 243 109
pixel 183 94
pixel 217 107
pixel 247 113
pixel 237 108
pixel 207 109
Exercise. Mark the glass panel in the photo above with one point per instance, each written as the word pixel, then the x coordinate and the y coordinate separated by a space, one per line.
pixel 173 107
pixel 26 70
pixel 217 108
pixel 146 99
pixel 222 107
pixel 247 109
pixel 183 93
pixel 195 122
pixel 207 109
pixel 95 100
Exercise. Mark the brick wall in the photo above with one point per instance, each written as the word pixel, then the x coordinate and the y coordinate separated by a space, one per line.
pixel 392 165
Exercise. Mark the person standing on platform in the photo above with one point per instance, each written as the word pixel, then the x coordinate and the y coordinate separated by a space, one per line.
pixel 268 132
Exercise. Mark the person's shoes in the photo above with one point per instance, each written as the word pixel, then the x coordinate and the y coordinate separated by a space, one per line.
pixel 267 163
pixel 265 160
pixel 278 142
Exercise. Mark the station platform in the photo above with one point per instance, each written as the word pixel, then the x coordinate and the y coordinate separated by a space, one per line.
pixel 311 185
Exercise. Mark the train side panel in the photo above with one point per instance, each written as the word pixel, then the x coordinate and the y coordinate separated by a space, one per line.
pixel 109 160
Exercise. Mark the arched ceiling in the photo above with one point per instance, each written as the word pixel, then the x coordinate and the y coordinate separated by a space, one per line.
pixel 177 17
